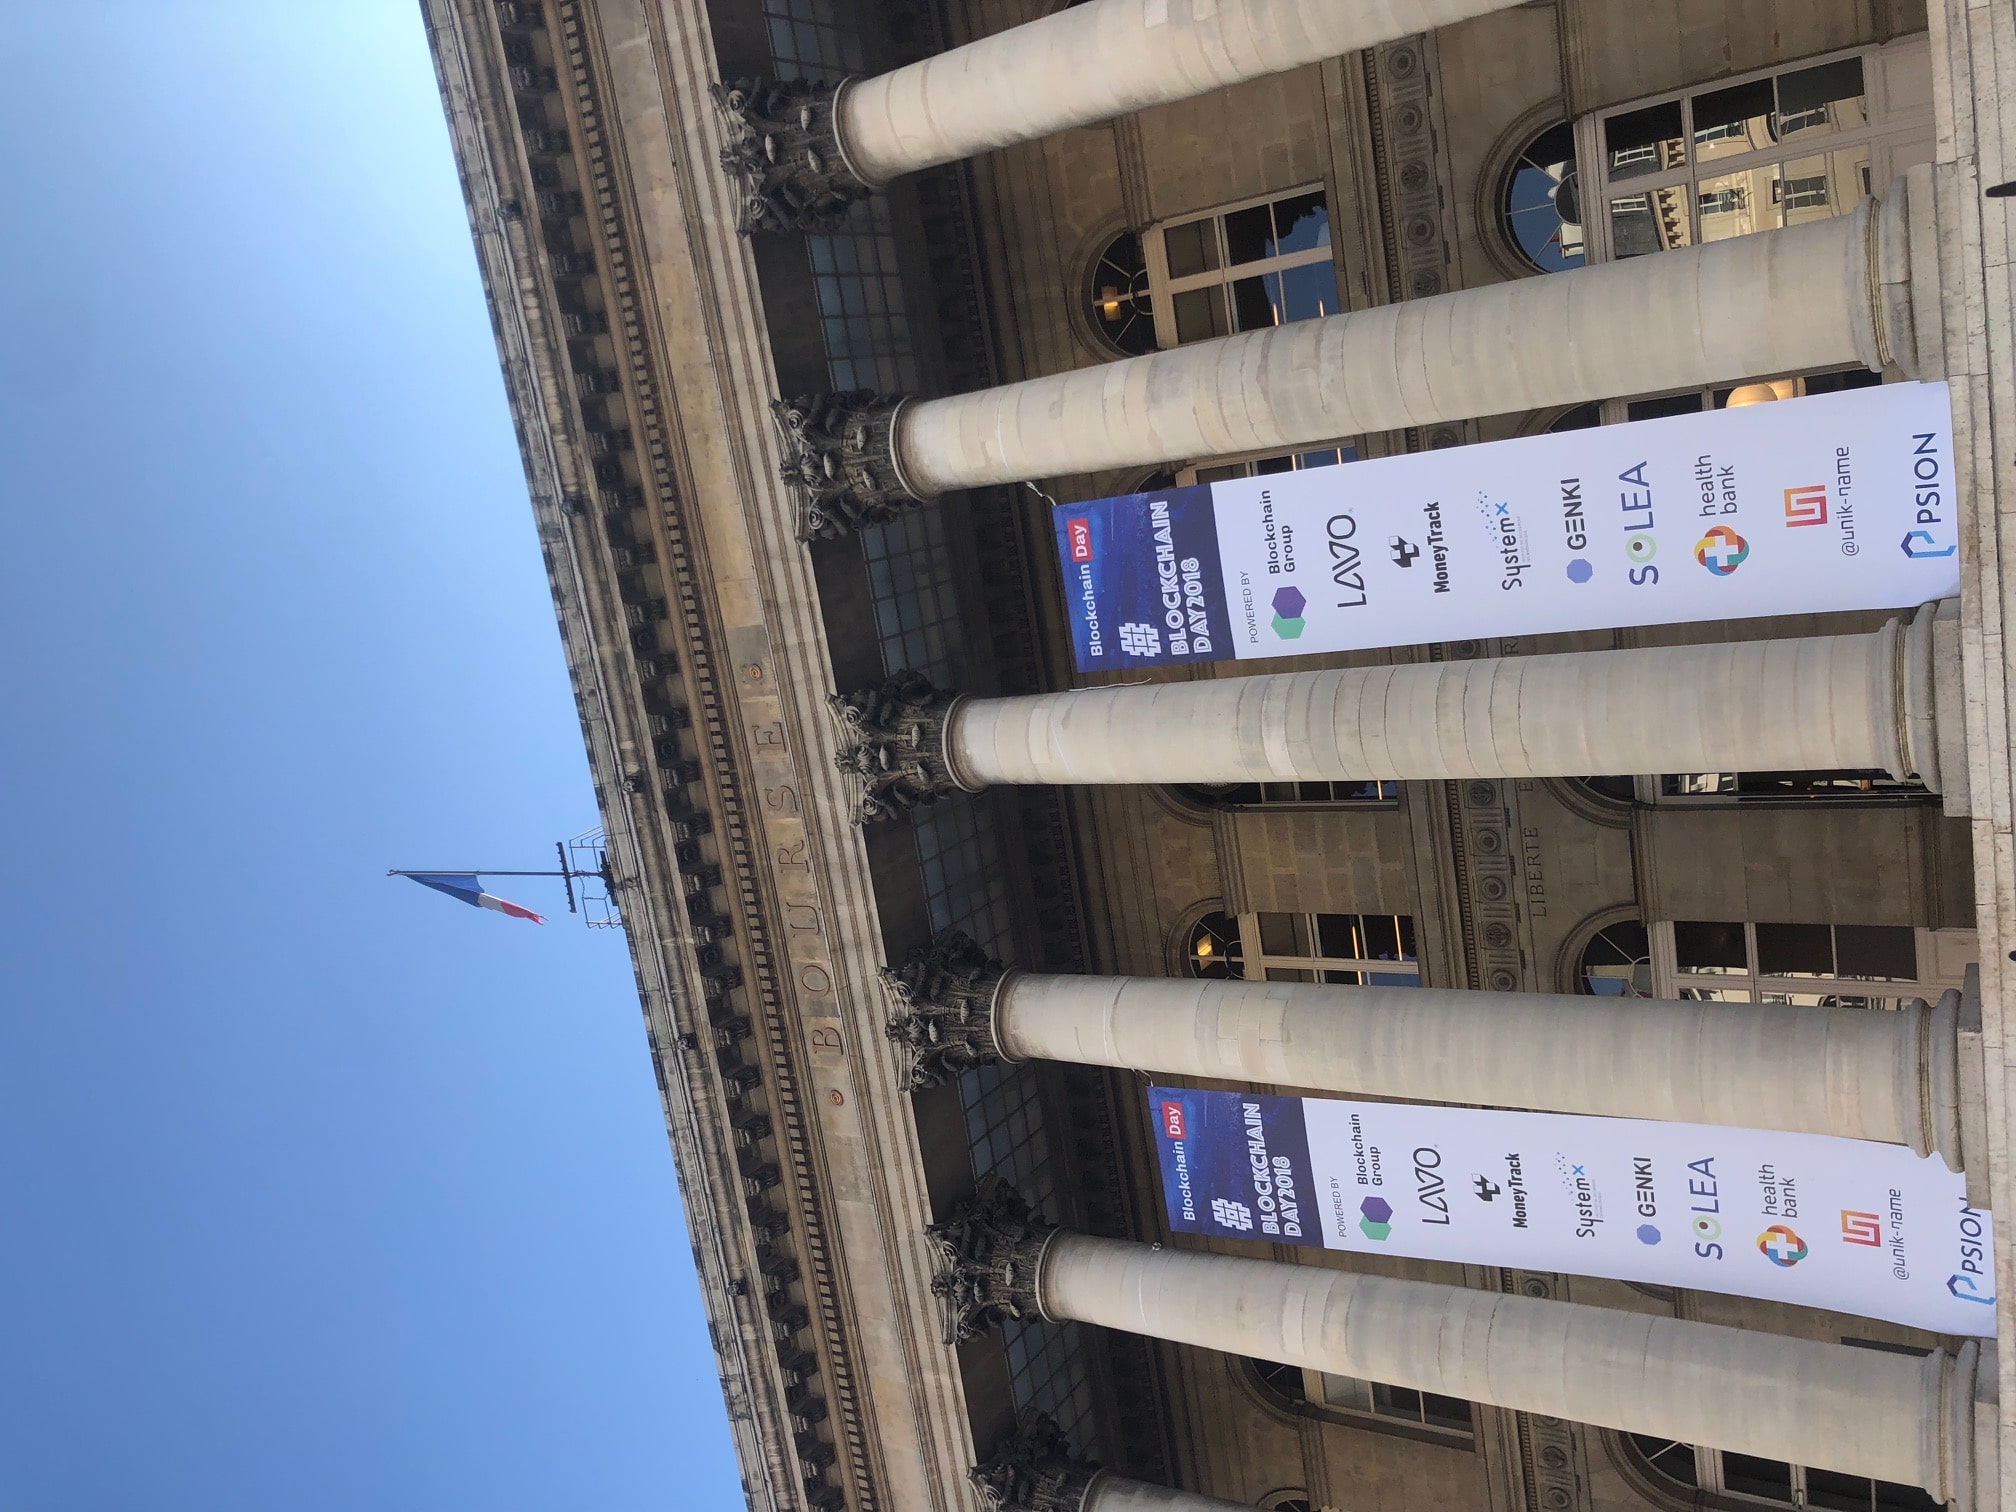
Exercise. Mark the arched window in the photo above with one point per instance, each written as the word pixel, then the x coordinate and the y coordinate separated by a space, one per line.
pixel 1123 312
pixel 1286 1501
pixel 1617 961
pixel 1696 1477
pixel 1542 202
pixel 1214 949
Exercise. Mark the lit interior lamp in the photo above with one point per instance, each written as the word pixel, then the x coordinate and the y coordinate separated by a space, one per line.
pixel 1203 946
pixel 1109 302
pixel 1762 393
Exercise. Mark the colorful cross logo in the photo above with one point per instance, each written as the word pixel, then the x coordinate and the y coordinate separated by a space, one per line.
pixel 1781 1246
pixel 1288 607
pixel 1721 551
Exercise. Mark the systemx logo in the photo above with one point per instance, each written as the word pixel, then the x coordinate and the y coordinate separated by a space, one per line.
pixel 1377 1219
pixel 1080 534
pixel 1288 606
pixel 1781 1246
pixel 1806 506
pixel 1721 551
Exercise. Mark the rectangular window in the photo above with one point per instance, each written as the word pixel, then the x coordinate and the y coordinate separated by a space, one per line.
pixel 1828 965
pixel 1392 1404
pixel 1366 950
pixel 1778 148
pixel 1243 268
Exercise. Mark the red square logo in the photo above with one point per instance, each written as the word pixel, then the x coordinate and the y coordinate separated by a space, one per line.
pixel 1172 1120
pixel 1081 540
pixel 1806 506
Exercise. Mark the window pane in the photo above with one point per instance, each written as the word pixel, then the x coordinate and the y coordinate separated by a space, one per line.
pixel 1821 101
pixel 1278 934
pixel 1736 204
pixel 1256 302
pixel 1756 1477
pixel 1249 235
pixel 1656 221
pixel 1200 314
pixel 1733 120
pixel 1670 1458
pixel 1445 1412
pixel 1709 947
pixel 1845 1493
pixel 1795 950
pixel 1658 409
pixel 1644 141
pixel 1880 952
pixel 1396 1401
pixel 1191 247
pixel 1301 223
pixel 1309 292
pixel 1339 937
pixel 1347 1391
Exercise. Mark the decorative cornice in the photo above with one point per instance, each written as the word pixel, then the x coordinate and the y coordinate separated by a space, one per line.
pixel 892 745
pixel 941 1008
pixel 783 151
pixel 1034 1470
pixel 990 1260
pixel 840 460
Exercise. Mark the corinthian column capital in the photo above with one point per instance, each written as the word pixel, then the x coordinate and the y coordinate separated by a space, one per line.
pixel 941 1008
pixel 784 152
pixel 892 745
pixel 990 1256
pixel 1034 1470
pixel 840 459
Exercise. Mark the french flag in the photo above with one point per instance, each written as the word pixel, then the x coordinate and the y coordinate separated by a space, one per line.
pixel 468 886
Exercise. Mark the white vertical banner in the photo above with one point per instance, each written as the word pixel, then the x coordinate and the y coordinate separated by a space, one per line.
pixel 1836 501
pixel 1844 1224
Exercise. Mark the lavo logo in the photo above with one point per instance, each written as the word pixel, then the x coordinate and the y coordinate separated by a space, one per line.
pixel 1081 540
pixel 1172 1120
pixel 1429 1187
pixel 1347 566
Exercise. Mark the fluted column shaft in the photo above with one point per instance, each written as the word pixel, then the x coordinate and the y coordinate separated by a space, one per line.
pixel 1843 1071
pixel 1099 60
pixel 1778 301
pixel 1811 704
pixel 1895 1417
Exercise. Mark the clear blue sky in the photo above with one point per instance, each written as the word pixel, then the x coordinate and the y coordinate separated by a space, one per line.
pixel 317 1189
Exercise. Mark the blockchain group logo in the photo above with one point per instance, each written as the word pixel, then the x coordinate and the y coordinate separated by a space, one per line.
pixel 1377 1223
pixel 1781 1246
pixel 1721 551
pixel 1288 606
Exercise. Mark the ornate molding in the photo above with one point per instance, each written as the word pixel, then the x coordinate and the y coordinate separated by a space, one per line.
pixel 840 460
pixel 892 745
pixel 990 1258
pixel 783 151
pixel 941 1008
pixel 1034 1470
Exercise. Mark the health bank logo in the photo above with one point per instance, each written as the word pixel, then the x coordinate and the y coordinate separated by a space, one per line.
pixel 1781 1246
pixel 1232 1215
pixel 1721 551
pixel 1080 532
pixel 1288 606
pixel 1377 1222
pixel 1861 1228
pixel 1806 506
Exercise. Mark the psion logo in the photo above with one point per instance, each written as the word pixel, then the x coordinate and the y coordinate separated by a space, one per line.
pixel 1288 606
pixel 1806 506
pixel 1781 1246
pixel 1377 1223
pixel 1172 1120
pixel 1721 551
pixel 1081 539
pixel 1861 1228
pixel 1922 543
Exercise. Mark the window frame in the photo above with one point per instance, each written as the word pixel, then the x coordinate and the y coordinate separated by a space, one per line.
pixel 1163 288
pixel 1258 961
pixel 1942 956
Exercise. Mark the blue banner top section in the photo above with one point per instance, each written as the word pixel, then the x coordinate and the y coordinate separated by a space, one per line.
pixel 1235 1165
pixel 1143 581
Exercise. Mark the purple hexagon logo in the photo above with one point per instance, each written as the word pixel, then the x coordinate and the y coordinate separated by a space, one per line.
pixel 1377 1223
pixel 1288 607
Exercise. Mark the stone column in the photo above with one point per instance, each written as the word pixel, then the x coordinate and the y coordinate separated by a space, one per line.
pixel 1899 1418
pixel 1892 1077
pixel 1779 301
pixel 803 152
pixel 1034 1470
pixel 1817 703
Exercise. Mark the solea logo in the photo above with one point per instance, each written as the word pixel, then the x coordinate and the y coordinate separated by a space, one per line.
pixel 1781 1246
pixel 1378 1220
pixel 1288 607
pixel 1721 551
